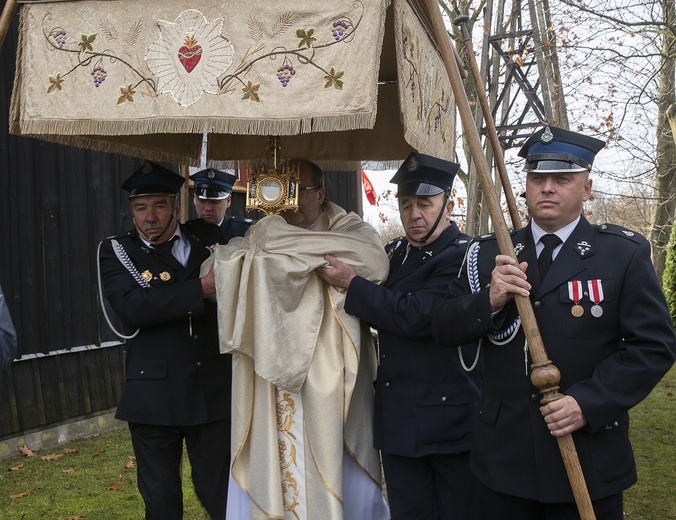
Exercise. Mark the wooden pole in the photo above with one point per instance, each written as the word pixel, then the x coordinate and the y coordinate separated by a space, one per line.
pixel 545 376
pixel 461 21
pixel 6 19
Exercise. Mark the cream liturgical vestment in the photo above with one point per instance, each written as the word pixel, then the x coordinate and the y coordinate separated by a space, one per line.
pixel 303 369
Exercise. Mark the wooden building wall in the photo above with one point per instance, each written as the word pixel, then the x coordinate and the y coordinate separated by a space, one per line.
pixel 56 204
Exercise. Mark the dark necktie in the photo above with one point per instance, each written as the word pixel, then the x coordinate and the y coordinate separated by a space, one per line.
pixel 545 259
pixel 166 247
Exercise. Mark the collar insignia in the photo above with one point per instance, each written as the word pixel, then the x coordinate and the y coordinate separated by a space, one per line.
pixel 583 247
pixel 518 248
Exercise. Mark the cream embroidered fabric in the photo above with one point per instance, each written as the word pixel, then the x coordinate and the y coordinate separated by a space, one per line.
pixel 148 78
pixel 292 338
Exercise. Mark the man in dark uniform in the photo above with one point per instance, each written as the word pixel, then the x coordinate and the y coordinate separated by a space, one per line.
pixel 213 191
pixel 604 323
pixel 426 396
pixel 178 384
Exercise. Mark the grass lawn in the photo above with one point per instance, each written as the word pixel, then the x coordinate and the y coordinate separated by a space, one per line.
pixel 95 478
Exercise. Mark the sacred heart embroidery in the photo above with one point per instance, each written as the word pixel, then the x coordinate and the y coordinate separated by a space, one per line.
pixel 190 54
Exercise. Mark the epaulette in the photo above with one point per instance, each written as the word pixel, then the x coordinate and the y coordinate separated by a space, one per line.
pixel 490 236
pixel 394 243
pixel 122 236
pixel 243 220
pixel 620 231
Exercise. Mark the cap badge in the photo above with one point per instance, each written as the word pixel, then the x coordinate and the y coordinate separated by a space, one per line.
pixel 147 167
pixel 412 164
pixel 211 174
pixel 547 136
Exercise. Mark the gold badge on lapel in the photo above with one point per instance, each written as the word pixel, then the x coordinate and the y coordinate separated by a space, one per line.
pixel 165 276
pixel 147 275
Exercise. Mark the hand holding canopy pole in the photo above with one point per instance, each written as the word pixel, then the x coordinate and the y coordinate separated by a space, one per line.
pixel 545 376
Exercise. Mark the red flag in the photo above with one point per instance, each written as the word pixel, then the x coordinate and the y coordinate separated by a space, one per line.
pixel 368 189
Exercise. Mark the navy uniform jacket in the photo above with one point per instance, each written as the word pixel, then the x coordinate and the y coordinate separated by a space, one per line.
pixel 425 402
pixel 234 227
pixel 607 363
pixel 175 373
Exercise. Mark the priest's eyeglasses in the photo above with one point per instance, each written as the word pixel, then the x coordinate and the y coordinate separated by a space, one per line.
pixel 305 188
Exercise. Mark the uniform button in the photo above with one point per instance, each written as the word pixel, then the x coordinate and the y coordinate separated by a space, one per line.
pixel 443 398
pixel 387 385
pixel 382 356
pixel 534 397
pixel 199 363
pixel 189 313
pixel 142 372
pixel 196 336
pixel 479 321
pixel 615 424
pixel 537 304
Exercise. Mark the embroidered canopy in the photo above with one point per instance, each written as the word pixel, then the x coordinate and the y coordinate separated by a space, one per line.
pixel 342 81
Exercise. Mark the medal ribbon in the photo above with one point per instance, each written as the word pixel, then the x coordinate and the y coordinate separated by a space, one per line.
pixel 575 291
pixel 595 291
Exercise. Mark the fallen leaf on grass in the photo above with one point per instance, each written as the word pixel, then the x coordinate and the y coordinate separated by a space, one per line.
pixel 98 452
pixel 129 465
pixel 69 470
pixel 78 517
pixel 20 495
pixel 16 468
pixel 53 456
pixel 25 450
pixel 70 450
pixel 114 486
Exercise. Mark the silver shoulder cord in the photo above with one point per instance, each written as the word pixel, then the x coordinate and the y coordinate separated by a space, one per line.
pixel 499 337
pixel 127 263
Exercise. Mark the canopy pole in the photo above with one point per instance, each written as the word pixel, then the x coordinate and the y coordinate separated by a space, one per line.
pixel 6 19
pixel 545 376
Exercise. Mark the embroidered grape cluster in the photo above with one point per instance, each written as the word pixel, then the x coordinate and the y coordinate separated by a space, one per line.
pixel 59 38
pixel 99 75
pixel 413 91
pixel 405 45
pixel 437 120
pixel 339 29
pixel 284 74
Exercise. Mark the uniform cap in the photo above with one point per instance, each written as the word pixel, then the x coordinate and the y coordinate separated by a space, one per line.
pixel 425 175
pixel 153 179
pixel 553 149
pixel 212 184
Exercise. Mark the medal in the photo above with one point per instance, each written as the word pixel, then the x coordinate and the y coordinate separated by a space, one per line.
pixel 575 295
pixel 596 295
pixel 147 275
pixel 165 276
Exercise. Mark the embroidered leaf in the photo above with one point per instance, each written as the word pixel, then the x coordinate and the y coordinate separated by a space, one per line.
pixel 333 78
pixel 127 95
pixel 134 33
pixel 251 92
pixel 306 38
pixel 86 43
pixel 108 29
pixel 282 24
pixel 255 29
pixel 54 83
